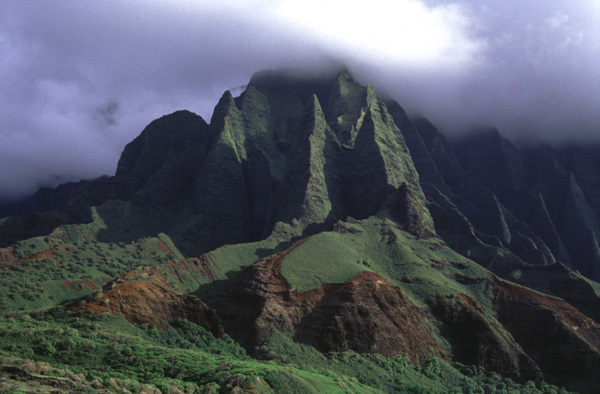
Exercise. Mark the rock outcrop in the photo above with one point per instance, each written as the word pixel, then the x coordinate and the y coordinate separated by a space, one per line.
pixel 366 314
pixel 150 303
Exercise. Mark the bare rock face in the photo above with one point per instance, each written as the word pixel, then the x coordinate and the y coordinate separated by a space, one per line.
pixel 367 314
pixel 146 302
pixel 477 340
pixel 254 304
pixel 517 333
pixel 560 281
pixel 561 340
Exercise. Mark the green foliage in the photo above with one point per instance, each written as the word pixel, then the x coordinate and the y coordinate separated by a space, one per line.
pixel 348 104
pixel 186 357
pixel 167 240
pixel 388 374
pixel 366 262
pixel 422 268
pixel 187 335
pixel 189 357
pixel 127 239
pixel 324 258
pixel 285 382
pixel 72 270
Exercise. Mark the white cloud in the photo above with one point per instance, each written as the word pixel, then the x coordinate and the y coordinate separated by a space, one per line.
pixel 402 33
pixel 63 63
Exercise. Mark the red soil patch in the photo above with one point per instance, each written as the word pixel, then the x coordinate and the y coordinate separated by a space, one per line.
pixel 73 284
pixel 202 263
pixel 69 284
pixel 507 294
pixel 145 302
pixel 476 338
pixel 564 342
pixel 366 314
pixel 90 285
pixel 163 247
pixel 45 254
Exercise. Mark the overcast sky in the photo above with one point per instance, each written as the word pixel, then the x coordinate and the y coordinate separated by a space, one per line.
pixel 80 79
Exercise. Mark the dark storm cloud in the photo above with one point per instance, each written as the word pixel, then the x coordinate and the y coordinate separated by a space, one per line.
pixel 81 79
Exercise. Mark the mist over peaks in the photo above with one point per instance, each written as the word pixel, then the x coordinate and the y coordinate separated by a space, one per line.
pixel 81 79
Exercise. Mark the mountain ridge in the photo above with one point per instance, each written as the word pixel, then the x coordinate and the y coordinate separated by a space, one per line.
pixel 311 210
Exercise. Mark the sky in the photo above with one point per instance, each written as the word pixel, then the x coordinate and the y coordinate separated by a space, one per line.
pixel 80 79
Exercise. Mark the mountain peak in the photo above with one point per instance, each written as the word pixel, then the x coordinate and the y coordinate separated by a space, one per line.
pixel 314 105
pixel 345 74
pixel 161 138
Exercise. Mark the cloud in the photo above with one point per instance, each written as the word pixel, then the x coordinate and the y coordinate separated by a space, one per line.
pixel 535 78
pixel 108 113
pixel 404 33
pixel 81 79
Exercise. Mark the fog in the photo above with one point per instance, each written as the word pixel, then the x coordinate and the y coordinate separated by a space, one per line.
pixel 81 79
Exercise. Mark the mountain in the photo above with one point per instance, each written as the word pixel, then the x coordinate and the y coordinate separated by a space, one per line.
pixel 45 199
pixel 311 237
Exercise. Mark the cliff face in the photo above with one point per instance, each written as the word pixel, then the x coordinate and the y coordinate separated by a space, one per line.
pixel 529 202
pixel 310 207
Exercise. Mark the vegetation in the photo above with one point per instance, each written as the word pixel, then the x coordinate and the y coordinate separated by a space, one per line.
pixel 422 268
pixel 108 352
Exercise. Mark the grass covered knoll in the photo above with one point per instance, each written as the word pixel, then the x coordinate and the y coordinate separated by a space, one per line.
pixel 77 352
pixel 422 268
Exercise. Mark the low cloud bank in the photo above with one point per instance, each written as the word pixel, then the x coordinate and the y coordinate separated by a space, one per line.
pixel 81 79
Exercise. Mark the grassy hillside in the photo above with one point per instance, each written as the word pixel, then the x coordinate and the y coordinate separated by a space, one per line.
pixel 422 268
pixel 45 350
